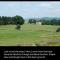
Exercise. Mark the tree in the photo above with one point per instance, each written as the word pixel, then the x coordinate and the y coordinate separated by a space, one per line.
pixel 5 20
pixel 32 21
pixel 1 21
pixel 9 19
pixel 53 21
pixel 18 21
pixel 13 21
pixel 58 22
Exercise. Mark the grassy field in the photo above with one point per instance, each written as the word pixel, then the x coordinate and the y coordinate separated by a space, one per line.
pixel 30 34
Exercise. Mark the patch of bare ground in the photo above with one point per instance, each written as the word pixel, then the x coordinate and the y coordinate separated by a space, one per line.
pixel 26 44
pixel 42 44
pixel 48 43
pixel 43 30
pixel 53 42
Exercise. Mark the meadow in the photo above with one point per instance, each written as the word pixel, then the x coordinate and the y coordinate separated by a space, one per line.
pixel 30 34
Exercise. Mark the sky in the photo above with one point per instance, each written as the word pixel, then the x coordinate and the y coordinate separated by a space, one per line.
pixel 30 9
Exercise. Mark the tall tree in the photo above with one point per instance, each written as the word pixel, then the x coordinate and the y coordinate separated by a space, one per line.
pixel 19 19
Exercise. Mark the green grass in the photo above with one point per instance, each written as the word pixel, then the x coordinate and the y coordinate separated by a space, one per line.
pixel 29 34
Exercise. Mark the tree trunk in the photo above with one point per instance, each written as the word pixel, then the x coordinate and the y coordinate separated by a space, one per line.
pixel 18 26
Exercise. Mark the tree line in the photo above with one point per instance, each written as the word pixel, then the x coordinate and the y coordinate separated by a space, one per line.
pixel 6 20
pixel 50 22
pixel 45 21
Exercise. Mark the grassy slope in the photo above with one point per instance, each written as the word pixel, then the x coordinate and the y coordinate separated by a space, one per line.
pixel 29 34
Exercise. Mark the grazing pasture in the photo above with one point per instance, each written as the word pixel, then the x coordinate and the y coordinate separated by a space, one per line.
pixel 29 35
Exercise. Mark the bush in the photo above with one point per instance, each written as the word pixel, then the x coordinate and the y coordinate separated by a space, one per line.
pixel 58 30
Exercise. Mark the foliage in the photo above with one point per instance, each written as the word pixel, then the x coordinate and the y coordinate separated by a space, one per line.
pixel 32 21
pixel 58 30
pixel 4 20
pixel 50 22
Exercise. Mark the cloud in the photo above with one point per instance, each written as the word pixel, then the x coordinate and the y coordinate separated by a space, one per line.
pixel 30 9
pixel 46 5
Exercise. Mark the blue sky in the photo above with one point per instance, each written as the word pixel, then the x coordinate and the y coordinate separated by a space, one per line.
pixel 30 9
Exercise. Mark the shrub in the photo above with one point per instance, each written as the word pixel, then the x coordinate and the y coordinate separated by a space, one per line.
pixel 58 30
